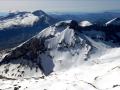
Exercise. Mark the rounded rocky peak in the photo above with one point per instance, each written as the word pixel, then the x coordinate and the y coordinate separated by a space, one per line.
pixel 39 13
pixel 72 24
pixel 44 17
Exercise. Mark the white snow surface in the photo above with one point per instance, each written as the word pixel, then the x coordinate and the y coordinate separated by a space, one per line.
pixel 85 23
pixel 95 76
pixel 28 19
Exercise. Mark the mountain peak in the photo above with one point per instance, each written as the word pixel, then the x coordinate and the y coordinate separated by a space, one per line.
pixel 71 23
pixel 39 13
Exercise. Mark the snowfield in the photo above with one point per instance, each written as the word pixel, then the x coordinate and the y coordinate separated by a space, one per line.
pixel 100 76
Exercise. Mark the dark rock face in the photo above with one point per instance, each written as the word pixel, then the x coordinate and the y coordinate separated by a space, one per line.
pixel 118 19
pixel 43 17
pixel 74 25
pixel 39 13
pixel 31 46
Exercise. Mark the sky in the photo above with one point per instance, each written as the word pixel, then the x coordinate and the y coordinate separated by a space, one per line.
pixel 59 5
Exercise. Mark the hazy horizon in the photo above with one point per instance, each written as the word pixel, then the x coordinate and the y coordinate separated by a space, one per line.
pixel 59 5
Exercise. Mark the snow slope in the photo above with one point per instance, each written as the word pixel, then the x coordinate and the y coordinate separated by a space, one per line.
pixel 100 76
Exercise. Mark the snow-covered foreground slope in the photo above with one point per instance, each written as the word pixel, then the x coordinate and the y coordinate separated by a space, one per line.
pixel 94 76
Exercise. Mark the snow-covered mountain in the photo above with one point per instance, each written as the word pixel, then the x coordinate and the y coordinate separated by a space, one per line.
pixel 17 27
pixel 66 54
pixel 60 46
pixel 57 47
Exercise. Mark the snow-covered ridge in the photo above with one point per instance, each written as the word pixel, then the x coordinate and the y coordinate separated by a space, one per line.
pixel 115 21
pixel 28 19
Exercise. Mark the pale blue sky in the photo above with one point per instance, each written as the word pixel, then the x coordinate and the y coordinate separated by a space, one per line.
pixel 60 5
